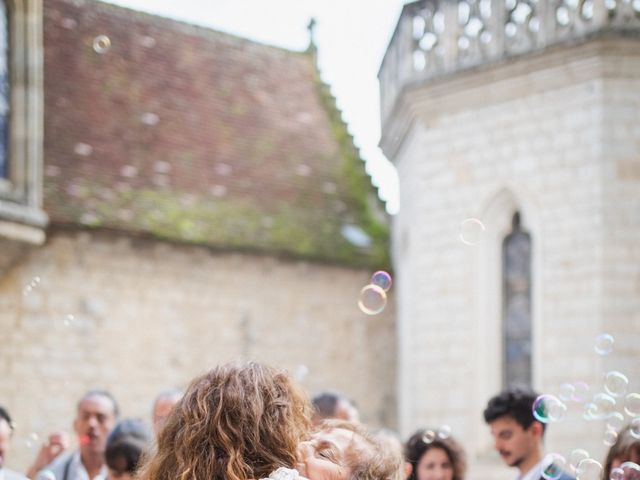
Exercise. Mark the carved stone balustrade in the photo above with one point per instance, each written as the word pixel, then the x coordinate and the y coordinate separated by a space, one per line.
pixel 439 37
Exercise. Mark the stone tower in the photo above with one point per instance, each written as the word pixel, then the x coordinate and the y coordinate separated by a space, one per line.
pixel 519 119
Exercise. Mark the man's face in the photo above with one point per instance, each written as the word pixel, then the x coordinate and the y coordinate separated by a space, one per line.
pixel 161 411
pixel 94 420
pixel 514 444
pixel 5 436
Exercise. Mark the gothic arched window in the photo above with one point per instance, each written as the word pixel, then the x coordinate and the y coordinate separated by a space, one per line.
pixel 516 282
pixel 5 92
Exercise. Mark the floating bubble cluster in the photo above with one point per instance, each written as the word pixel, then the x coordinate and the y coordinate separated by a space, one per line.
pixel 373 297
pixel 577 456
pixel 33 283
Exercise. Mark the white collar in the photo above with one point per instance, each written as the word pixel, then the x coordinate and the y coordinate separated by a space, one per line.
pixel 78 466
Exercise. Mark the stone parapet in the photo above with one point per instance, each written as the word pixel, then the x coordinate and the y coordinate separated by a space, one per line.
pixel 434 38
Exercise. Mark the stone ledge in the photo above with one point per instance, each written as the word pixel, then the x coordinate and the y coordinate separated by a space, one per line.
pixel 22 214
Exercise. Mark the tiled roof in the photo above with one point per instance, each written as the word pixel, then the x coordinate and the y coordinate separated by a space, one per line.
pixel 194 135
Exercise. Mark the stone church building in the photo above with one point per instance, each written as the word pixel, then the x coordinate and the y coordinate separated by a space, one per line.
pixel 173 197
pixel 515 129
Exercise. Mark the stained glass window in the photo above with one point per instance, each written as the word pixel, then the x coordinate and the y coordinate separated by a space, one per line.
pixel 516 278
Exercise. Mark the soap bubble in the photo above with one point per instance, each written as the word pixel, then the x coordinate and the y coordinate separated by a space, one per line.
pixel 615 421
pixel 615 383
pixel 632 404
pixel 444 432
pixel 567 391
pixel 616 474
pixel 553 465
pixel 429 436
pixel 382 279
pixel 589 469
pixel 548 408
pixel 590 411
pixel 471 231
pixel 604 344
pixel 29 287
pixel 581 392
pixel 604 406
pixel 372 300
pixel 101 44
pixel 577 456
pixel 69 320
pixel 631 470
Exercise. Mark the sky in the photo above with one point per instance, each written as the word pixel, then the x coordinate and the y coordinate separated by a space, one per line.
pixel 351 37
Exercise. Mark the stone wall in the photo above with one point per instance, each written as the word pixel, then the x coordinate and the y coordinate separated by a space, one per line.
pixel 555 136
pixel 138 316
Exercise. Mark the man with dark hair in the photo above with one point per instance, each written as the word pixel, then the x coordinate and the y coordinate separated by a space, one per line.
pixel 6 430
pixel 517 435
pixel 96 416
pixel 333 405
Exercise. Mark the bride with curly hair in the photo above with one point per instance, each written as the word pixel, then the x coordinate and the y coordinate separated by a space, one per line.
pixel 236 422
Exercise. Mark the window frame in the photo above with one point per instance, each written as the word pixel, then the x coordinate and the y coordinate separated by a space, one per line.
pixel 21 192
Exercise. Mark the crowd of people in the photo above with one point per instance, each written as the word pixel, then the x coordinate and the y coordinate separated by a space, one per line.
pixel 250 422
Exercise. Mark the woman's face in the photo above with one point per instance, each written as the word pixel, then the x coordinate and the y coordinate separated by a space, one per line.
pixel 434 465
pixel 324 457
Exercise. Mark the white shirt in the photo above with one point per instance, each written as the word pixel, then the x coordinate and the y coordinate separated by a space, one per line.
pixel 75 469
pixel 78 472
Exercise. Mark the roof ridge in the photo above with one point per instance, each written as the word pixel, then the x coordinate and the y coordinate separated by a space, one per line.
pixel 187 25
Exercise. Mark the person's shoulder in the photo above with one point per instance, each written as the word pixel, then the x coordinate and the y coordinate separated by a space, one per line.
pixel 12 475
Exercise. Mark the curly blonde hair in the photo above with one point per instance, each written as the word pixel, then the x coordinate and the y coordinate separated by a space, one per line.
pixel 236 422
